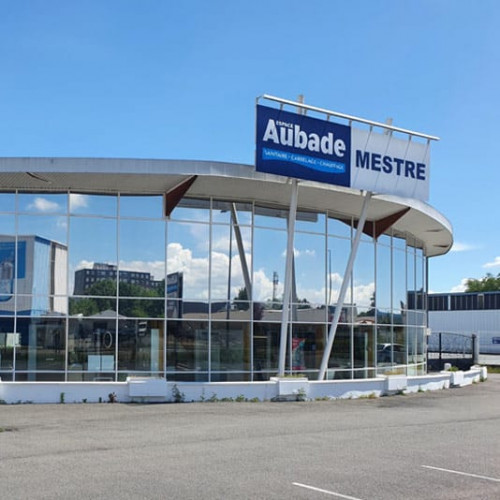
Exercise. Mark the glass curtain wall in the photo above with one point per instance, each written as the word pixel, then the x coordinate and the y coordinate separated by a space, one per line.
pixel 101 287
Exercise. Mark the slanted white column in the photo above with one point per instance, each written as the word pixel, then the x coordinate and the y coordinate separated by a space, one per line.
pixel 343 288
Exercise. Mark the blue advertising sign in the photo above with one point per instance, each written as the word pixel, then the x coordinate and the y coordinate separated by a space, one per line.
pixel 299 146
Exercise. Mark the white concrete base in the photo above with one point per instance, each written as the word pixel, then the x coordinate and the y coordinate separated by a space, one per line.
pixel 159 390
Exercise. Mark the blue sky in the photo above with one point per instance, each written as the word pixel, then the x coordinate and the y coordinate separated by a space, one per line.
pixel 164 79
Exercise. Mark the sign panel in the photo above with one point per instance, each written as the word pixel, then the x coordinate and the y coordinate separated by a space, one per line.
pixel 298 146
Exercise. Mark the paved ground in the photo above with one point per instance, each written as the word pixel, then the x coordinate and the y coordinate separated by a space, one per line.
pixel 440 445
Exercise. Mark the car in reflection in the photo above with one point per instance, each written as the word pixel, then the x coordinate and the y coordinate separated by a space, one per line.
pixel 389 353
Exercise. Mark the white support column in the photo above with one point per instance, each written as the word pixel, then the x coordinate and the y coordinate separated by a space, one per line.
pixel 285 313
pixel 343 288
pixel 241 252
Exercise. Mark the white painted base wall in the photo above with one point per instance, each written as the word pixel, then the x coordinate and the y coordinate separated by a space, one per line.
pixel 161 391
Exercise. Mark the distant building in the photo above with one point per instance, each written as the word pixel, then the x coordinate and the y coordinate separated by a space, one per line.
pixel 85 278
pixel 467 313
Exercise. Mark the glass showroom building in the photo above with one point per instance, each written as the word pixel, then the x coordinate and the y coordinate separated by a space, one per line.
pixel 119 267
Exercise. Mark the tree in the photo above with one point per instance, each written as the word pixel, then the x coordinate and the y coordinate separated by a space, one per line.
pixel 489 283
pixel 241 300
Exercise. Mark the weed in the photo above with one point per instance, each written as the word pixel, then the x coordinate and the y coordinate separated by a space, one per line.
pixel 62 398
pixel 177 395
pixel 213 398
pixel 240 398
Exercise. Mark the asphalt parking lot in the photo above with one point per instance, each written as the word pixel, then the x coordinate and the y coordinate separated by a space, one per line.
pixel 439 445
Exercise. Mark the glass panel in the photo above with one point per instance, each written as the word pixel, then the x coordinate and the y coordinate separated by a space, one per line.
pixel 221 212
pixel 340 364
pixel 43 259
pixel 93 256
pixel 192 210
pixel 307 347
pixel 399 279
pixel 310 270
pixel 230 348
pixel 7 202
pixel 7 225
pixel 339 228
pixel 93 204
pixel 9 340
pixel 187 253
pixel 364 351
pixel 270 217
pixel 310 222
pixel 364 279
pixel 338 255
pixel 142 260
pixel 194 310
pixel 383 286
pixel 9 254
pixel 399 243
pixel 140 346
pixel 187 350
pixel 224 249
pixel 266 340
pixel 150 207
pixel 43 203
pixel 269 262
pixel 42 344
pixel 141 308
pixel 91 347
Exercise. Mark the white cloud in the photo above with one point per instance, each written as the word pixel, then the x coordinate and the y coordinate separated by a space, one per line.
pixel 300 253
pixel 77 201
pixel 43 205
pixel 461 287
pixel 495 263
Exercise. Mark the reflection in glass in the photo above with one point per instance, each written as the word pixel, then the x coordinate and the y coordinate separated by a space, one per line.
pixel 190 209
pixel 140 346
pixel 41 344
pixel 310 222
pixel 150 207
pixel 9 341
pixel 93 204
pixel 307 347
pixel 269 258
pixel 340 362
pixel 188 253
pixel 230 349
pixel 141 308
pixel 7 202
pixel 338 255
pixel 363 275
pixel 43 203
pixel 91 347
pixel 142 266
pixel 275 218
pixel 309 260
pixel 106 294
pixel 187 350
pixel 266 338
pixel 339 228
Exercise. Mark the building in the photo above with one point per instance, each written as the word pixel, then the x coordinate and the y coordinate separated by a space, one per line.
pixel 215 229
pixel 85 278
pixel 467 313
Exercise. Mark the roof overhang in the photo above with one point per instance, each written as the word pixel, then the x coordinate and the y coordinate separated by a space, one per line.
pixel 224 181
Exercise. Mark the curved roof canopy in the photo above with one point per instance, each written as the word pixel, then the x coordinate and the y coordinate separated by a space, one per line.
pixel 224 181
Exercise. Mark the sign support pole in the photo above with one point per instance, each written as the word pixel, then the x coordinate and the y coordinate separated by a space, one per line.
pixel 343 289
pixel 285 313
